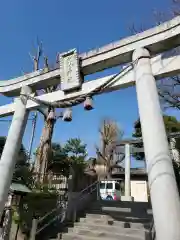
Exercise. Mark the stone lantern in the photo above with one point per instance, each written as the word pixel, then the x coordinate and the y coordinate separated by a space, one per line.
pixel 9 230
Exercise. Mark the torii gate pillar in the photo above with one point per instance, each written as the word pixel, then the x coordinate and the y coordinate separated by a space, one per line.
pixel 12 146
pixel 163 189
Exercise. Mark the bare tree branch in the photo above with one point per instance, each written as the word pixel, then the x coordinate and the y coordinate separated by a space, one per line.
pixel 36 56
pixel 169 88
pixel 46 64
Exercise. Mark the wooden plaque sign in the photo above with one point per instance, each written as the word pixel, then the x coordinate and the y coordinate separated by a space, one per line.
pixel 70 70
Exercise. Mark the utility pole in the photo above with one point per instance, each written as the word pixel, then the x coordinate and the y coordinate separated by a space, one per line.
pixel 34 121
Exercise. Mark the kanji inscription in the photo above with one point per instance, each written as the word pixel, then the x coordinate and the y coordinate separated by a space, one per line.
pixel 70 71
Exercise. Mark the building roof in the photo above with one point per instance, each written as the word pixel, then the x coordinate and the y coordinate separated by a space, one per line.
pixel 134 171
pixel 139 140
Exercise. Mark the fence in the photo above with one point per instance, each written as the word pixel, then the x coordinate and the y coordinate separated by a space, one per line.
pixel 50 181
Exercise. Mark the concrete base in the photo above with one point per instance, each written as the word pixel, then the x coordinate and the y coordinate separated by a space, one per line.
pixel 127 199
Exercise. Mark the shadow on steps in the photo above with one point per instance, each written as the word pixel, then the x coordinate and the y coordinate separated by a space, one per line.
pixel 128 212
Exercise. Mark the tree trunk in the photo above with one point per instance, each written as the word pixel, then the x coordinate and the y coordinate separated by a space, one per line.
pixel 44 148
pixel 6 225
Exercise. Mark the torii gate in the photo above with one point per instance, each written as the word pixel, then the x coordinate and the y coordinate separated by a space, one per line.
pixel 146 66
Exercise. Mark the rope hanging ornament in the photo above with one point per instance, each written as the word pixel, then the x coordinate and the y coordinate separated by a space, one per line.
pixel 67 115
pixel 88 103
pixel 52 114
pixel 82 98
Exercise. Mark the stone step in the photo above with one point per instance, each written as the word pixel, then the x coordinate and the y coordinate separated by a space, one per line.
pixel 106 234
pixel 116 225
pixel 84 228
pixel 121 224
pixel 122 204
pixel 97 236
pixel 118 217
pixel 118 214
pixel 120 210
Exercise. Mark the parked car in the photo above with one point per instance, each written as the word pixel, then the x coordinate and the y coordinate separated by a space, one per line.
pixel 110 190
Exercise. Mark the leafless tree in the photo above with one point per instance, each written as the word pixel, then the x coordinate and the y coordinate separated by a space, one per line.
pixel 36 56
pixel 50 116
pixel 110 133
pixel 169 88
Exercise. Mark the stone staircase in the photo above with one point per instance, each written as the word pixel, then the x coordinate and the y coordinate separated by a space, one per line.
pixel 112 220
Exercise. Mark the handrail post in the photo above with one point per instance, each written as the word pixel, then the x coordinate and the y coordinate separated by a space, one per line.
pixel 33 229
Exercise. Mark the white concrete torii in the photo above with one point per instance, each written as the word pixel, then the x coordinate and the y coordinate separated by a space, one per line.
pixel 139 48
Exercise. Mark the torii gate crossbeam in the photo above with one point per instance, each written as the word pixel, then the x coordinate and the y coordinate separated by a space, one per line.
pixel 158 39
pixel 161 67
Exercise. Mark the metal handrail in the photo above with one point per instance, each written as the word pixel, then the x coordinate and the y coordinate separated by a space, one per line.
pixel 55 209
pixel 95 183
pixel 52 220
pixel 80 196
pixel 48 214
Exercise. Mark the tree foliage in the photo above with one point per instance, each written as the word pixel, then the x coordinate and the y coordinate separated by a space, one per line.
pixel 171 125
pixel 75 147
pixel 72 154
pixel 76 152
pixel 22 172
pixel 59 162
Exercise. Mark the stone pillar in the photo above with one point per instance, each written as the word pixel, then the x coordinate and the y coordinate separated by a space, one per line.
pixel 127 171
pixel 12 146
pixel 127 196
pixel 163 188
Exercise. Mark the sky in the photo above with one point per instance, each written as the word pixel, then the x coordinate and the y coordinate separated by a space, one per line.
pixel 63 25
